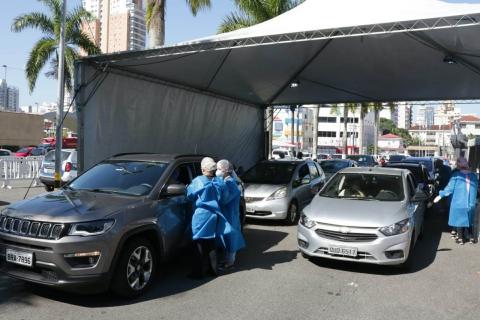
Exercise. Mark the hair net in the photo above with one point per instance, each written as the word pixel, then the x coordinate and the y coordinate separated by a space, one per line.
pixel 462 163
pixel 208 164
pixel 224 165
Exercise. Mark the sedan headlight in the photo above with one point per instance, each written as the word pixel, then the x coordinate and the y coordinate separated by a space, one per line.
pixel 396 228
pixel 306 221
pixel 279 194
pixel 91 228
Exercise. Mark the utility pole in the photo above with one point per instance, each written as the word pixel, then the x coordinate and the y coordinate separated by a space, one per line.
pixel 297 146
pixel 61 92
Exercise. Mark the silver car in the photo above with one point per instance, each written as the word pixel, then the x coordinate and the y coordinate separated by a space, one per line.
pixel 370 215
pixel 278 190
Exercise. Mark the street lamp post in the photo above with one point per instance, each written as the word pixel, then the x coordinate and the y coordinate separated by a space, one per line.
pixel 61 92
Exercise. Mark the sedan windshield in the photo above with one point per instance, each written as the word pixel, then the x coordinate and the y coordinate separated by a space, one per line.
pixel 333 166
pixel 360 159
pixel 270 173
pixel 125 177
pixel 361 186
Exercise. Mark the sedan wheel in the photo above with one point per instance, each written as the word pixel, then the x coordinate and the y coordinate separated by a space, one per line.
pixel 292 215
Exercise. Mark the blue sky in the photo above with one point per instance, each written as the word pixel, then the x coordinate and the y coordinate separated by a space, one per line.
pixel 181 25
pixel 15 47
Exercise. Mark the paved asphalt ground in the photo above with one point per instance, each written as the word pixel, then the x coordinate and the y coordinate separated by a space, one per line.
pixel 273 281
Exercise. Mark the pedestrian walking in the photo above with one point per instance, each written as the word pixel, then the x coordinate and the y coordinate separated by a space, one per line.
pixel 463 189
pixel 230 206
pixel 208 222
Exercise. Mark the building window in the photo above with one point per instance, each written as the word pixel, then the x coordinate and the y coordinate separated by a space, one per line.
pixel 349 134
pixel 327 119
pixel 477 126
pixel 327 134
pixel 350 120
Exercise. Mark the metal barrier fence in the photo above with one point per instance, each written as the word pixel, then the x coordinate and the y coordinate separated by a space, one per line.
pixel 16 168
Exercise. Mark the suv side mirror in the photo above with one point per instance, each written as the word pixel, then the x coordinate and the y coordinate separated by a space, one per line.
pixel 176 190
pixel 420 196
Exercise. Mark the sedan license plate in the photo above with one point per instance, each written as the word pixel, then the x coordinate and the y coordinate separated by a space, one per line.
pixel 22 258
pixel 48 171
pixel 351 252
pixel 250 210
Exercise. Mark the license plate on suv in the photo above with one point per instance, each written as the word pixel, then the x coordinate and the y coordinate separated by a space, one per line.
pixel 351 252
pixel 21 258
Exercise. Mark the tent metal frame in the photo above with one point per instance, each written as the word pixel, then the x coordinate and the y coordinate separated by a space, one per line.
pixel 343 32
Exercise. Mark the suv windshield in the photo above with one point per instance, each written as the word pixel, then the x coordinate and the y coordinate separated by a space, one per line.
pixel 426 162
pixel 361 186
pixel 270 173
pixel 333 166
pixel 136 178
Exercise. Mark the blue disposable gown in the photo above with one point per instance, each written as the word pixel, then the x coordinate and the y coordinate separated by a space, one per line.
pixel 462 207
pixel 208 221
pixel 234 241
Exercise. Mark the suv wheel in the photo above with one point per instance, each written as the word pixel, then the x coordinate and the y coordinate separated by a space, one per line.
pixel 292 214
pixel 135 269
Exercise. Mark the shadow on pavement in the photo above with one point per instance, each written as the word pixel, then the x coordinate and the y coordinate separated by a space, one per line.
pixel 423 255
pixel 4 203
pixel 173 275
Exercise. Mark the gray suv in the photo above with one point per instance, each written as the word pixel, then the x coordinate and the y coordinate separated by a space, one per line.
pixel 109 228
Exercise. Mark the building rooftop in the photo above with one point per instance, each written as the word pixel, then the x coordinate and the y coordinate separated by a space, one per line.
pixel 469 118
pixel 390 136
pixel 433 127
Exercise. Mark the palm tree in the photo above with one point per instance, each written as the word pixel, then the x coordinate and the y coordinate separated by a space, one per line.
pixel 364 109
pixel 376 107
pixel 347 107
pixel 155 18
pixel 45 50
pixel 251 12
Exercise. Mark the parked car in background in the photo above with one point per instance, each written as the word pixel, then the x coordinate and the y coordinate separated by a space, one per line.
pixel 336 156
pixel 109 228
pixel 38 152
pixel 278 190
pixel 428 162
pixel 323 156
pixel 396 157
pixel 67 143
pixel 5 153
pixel 24 152
pixel 69 168
pixel 363 160
pixel 282 154
pixel 422 177
pixel 330 167
pixel 368 215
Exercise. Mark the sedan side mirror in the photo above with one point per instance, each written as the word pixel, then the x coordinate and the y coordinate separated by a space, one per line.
pixel 176 190
pixel 306 180
pixel 420 196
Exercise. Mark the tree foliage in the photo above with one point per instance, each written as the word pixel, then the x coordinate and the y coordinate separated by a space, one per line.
pixel 45 50
pixel 387 126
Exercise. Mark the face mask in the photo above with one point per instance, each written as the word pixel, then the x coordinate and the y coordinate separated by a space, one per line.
pixel 219 173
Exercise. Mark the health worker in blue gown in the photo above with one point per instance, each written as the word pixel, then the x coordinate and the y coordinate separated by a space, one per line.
pixel 230 207
pixel 463 189
pixel 208 222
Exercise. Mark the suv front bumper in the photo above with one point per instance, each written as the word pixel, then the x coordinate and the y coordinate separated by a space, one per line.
pixel 50 266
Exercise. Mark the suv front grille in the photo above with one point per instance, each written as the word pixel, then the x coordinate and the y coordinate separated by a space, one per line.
pixel 31 229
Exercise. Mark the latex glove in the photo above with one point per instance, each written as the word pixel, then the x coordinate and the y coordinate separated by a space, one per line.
pixel 437 198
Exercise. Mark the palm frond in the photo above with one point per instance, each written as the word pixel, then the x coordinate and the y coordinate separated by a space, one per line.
pixel 39 55
pixel 74 20
pixel 234 21
pixel 197 5
pixel 82 40
pixel 35 20
pixel 70 56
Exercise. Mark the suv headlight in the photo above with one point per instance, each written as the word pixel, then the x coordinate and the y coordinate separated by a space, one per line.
pixel 279 194
pixel 91 228
pixel 396 228
pixel 306 221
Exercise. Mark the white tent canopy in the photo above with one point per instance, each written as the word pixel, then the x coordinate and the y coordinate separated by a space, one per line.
pixel 337 51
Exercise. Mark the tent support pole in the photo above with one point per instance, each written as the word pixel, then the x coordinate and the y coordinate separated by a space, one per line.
pixel 270 131
pixel 299 71
pixel 78 83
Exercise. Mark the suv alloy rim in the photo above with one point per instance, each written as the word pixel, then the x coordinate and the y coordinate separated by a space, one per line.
pixel 139 268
